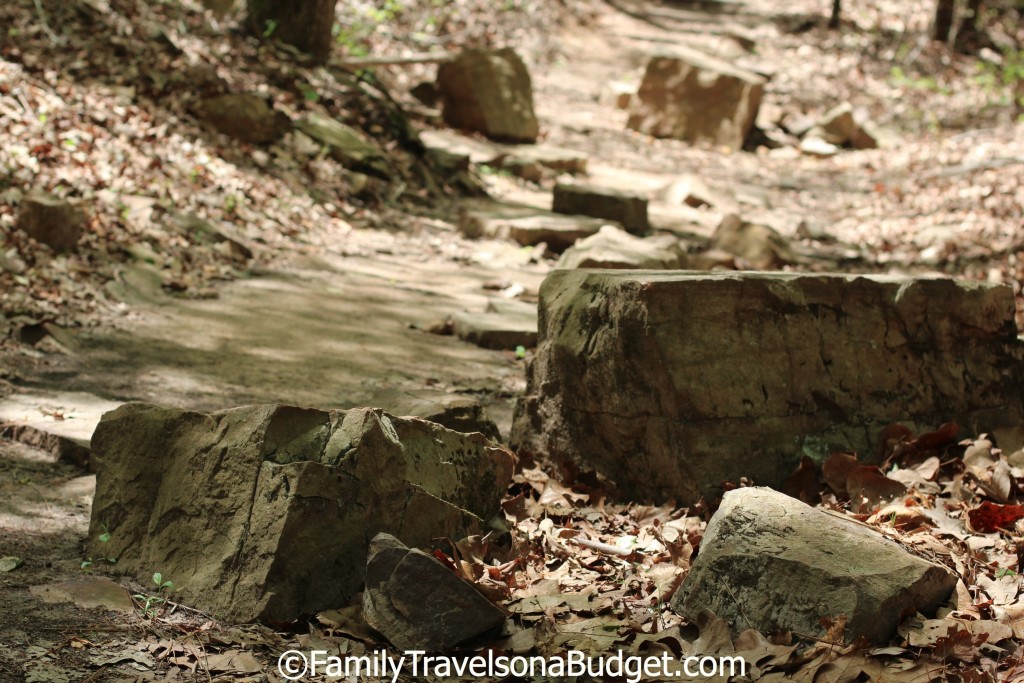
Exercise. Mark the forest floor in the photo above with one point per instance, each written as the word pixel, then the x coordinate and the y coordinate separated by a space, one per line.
pixel 331 311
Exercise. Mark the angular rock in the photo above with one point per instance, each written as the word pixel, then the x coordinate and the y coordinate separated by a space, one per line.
pixel 614 205
pixel 58 423
pixel 62 448
pixel 693 191
pixel 245 116
pixel 619 95
pixel 543 156
pixel 417 603
pixel 867 135
pixel 490 92
pixel 348 147
pixel 487 152
pixel 457 412
pixel 688 95
pixel 504 325
pixel 759 246
pixel 837 124
pixel 671 383
pixel 525 225
pixel 50 220
pixel 266 512
pixel 614 248
pixel 770 562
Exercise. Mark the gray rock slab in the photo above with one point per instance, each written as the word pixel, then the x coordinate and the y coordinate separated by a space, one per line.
pixel 688 95
pixel 671 383
pixel 770 562
pixel 266 512
pixel 417 603
pixel 614 248
pixel 504 325
pixel 490 153
pixel 524 225
pixel 489 92
pixel 626 208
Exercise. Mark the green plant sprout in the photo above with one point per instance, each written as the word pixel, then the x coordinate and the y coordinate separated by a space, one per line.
pixel 150 602
pixel 104 537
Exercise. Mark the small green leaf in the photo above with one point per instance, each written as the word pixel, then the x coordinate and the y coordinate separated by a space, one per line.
pixel 158 578
pixel 520 352
pixel 104 537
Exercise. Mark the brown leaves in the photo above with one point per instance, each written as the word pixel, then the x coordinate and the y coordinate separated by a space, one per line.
pixel 864 485
pixel 989 517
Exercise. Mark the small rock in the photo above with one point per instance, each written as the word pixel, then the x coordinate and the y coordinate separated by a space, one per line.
pixel 867 135
pixel 552 158
pixel 11 262
pixel 758 245
pixel 770 562
pixel 837 125
pixel 417 603
pixel 505 325
pixel 50 220
pixel 693 191
pixel 245 116
pixel 815 146
pixel 525 225
pixel 490 92
pixel 457 412
pixel 615 248
pixel 585 200
pixel 619 94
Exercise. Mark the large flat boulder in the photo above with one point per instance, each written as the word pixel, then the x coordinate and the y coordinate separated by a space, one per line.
pixel 489 92
pixel 770 562
pixel 267 512
pixel 689 95
pixel 671 383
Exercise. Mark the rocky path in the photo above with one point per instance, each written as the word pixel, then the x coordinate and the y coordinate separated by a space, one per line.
pixel 341 322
